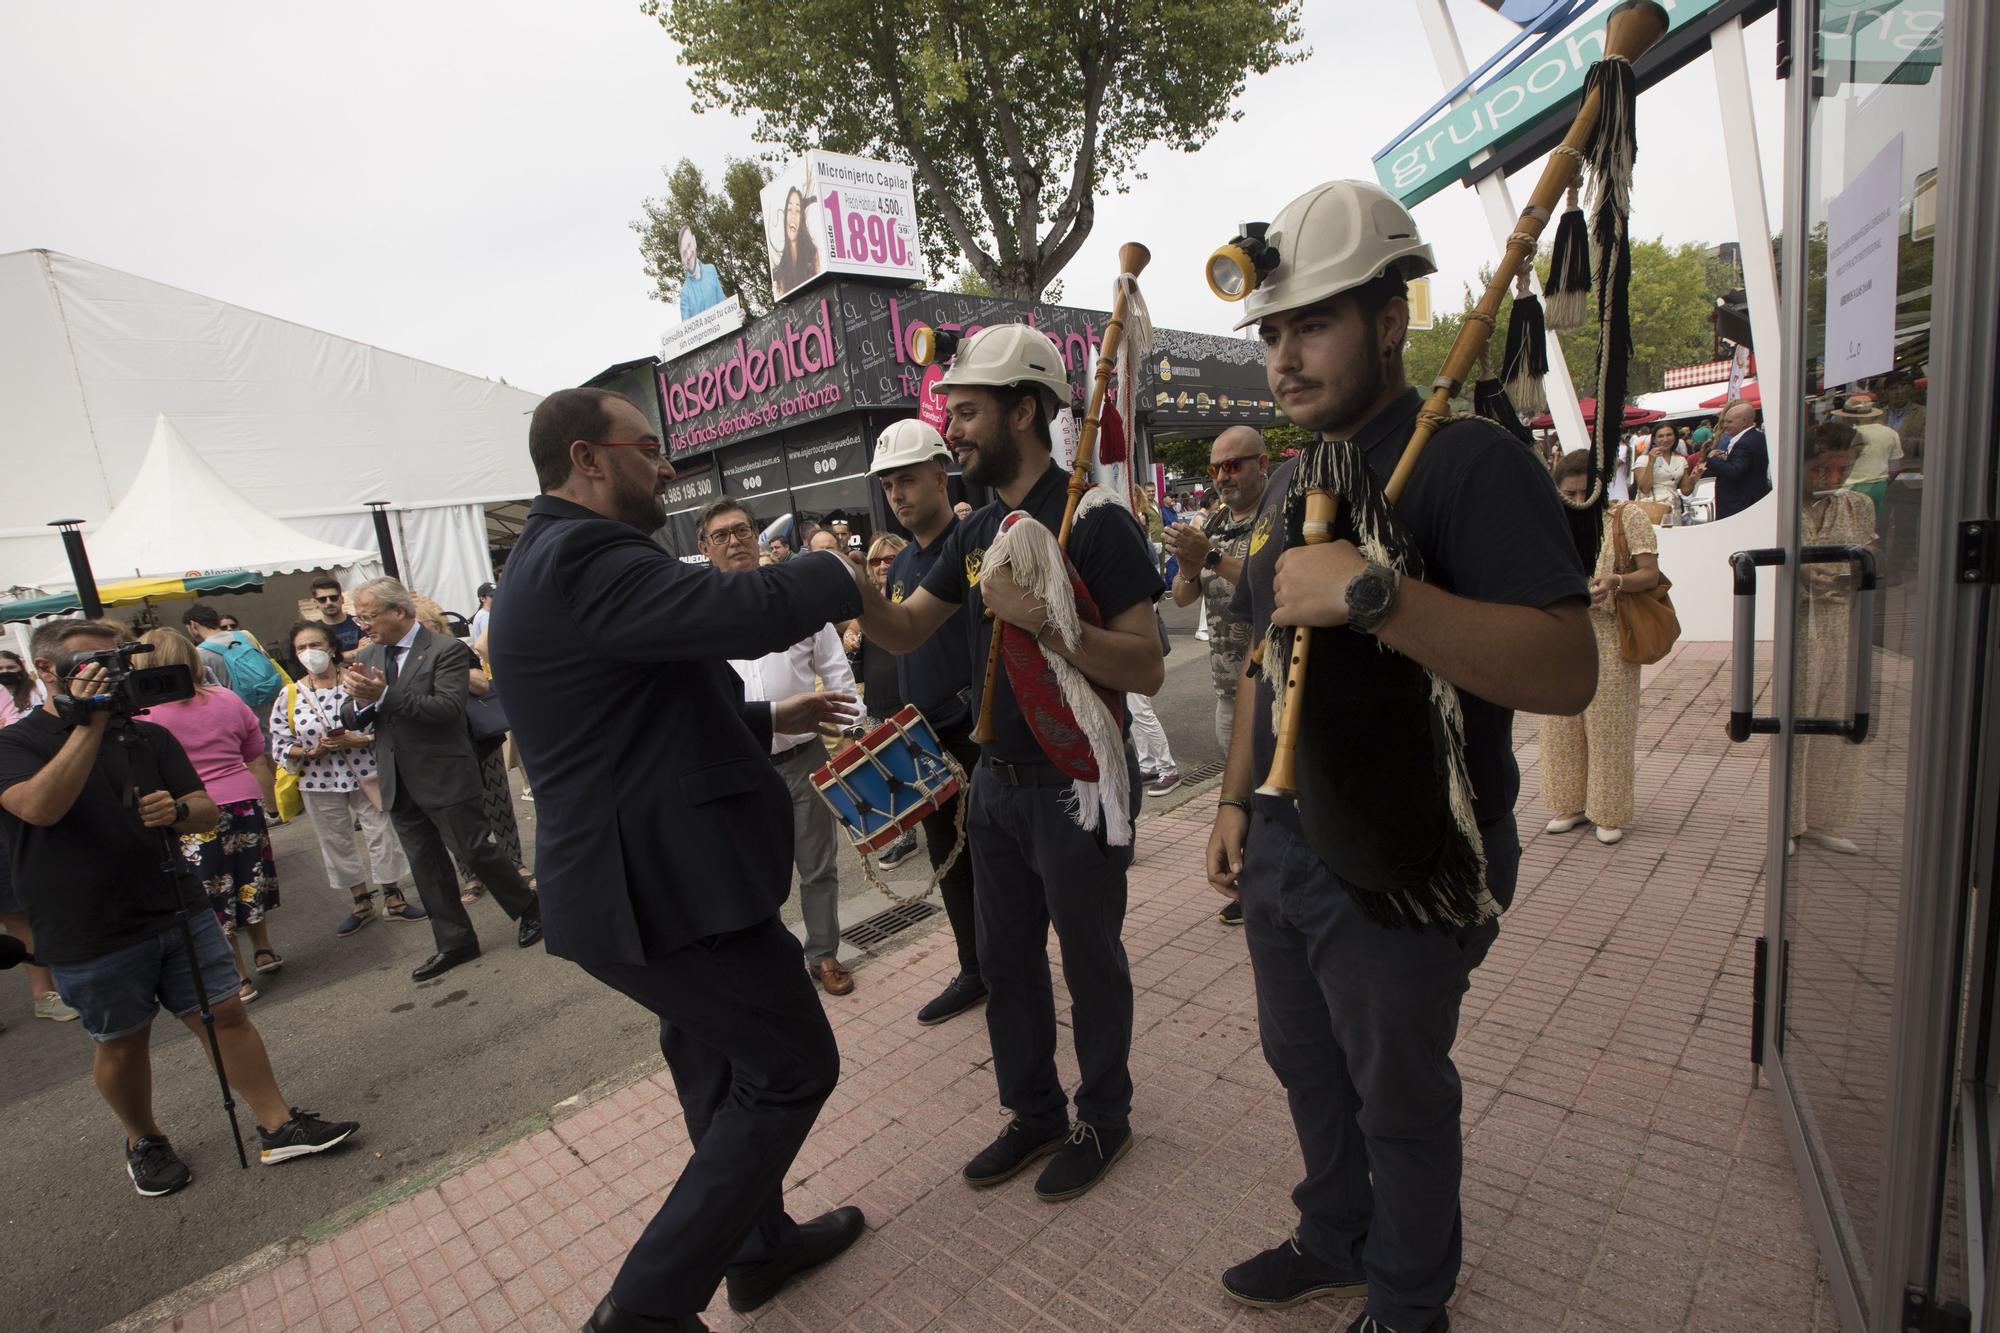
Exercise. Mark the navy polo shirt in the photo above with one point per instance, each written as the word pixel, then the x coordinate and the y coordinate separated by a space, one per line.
pixel 1109 553
pixel 937 676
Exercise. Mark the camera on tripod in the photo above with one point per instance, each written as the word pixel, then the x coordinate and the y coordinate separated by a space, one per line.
pixel 126 689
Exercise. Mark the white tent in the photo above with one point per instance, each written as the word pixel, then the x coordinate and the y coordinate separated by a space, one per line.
pixel 1681 404
pixel 180 518
pixel 304 426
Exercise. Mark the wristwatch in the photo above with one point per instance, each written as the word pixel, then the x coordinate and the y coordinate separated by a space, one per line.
pixel 1213 560
pixel 180 812
pixel 1371 596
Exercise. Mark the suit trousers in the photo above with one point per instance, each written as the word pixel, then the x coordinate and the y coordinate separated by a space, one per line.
pixel 753 1060
pixel 1036 867
pixel 431 838
pixel 1357 1021
pixel 940 836
pixel 814 851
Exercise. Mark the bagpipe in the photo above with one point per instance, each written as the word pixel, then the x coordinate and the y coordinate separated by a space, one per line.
pixel 1380 775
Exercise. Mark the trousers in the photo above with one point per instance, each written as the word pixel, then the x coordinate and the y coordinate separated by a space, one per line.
pixel 1357 1021
pixel 1155 755
pixel 940 836
pixel 1036 867
pixel 1589 763
pixel 334 815
pixel 431 838
pixel 753 1060
pixel 814 852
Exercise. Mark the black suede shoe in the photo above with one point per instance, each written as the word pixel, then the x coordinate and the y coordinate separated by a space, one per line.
pixel 953 1000
pixel 816 1242
pixel 1285 1275
pixel 531 926
pixel 609 1318
pixel 1231 913
pixel 1082 1162
pixel 1368 1323
pixel 440 963
pixel 1008 1155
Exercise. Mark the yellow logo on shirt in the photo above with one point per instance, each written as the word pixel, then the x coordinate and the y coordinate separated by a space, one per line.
pixel 1262 532
pixel 972 564
pixel 896 591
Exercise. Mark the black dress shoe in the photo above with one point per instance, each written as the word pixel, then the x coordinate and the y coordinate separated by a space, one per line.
pixel 1285 1275
pixel 963 993
pixel 816 1242
pixel 1082 1162
pixel 609 1318
pixel 442 962
pixel 531 926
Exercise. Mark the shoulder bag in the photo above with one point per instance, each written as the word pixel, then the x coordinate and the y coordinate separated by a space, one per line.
pixel 1647 625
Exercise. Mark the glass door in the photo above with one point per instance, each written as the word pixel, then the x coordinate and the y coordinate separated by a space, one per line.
pixel 1874 985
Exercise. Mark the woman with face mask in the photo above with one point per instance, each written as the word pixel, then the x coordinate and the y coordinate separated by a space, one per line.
pixel 336 773
pixel 20 692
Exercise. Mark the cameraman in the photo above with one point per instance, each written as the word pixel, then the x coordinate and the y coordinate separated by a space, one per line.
pixel 86 862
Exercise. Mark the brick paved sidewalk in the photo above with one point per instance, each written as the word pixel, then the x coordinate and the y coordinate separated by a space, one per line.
pixel 1621 1173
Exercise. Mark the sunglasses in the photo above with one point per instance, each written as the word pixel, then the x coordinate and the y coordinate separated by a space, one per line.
pixel 882 560
pixel 335 597
pixel 1227 467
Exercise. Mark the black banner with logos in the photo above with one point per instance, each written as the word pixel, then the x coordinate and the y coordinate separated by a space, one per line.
pixel 1199 383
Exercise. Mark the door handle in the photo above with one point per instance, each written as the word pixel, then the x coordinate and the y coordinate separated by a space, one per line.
pixel 1743 724
pixel 1743 566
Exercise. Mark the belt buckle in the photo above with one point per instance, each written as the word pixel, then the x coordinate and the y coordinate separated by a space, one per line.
pixel 1007 773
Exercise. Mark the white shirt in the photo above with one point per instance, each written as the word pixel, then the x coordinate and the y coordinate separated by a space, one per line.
pixel 776 677
pixel 1620 484
pixel 479 619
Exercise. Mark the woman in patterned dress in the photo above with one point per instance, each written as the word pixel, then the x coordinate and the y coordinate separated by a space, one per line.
pixel 336 772
pixel 1826 770
pixel 226 746
pixel 1589 762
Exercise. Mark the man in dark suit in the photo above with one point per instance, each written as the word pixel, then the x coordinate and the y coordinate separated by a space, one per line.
pixel 409 686
pixel 1740 463
pixel 665 843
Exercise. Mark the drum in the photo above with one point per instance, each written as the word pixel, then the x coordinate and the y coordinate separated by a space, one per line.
pixel 881 786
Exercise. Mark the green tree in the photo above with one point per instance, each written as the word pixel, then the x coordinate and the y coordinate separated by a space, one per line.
pixel 1015 117
pixel 728 225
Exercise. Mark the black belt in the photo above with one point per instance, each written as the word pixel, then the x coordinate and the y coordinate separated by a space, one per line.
pixel 1035 773
pixel 782 755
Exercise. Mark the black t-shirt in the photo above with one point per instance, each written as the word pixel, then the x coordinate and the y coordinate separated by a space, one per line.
pixel 935 677
pixel 347 633
pixel 1490 528
pixel 1109 552
pixel 91 881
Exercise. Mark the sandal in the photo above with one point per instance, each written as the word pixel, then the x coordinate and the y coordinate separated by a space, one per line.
pixel 247 991
pixel 398 908
pixel 258 955
pixel 363 913
pixel 472 892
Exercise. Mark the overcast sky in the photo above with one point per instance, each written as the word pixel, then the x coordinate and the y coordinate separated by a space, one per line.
pixel 455 182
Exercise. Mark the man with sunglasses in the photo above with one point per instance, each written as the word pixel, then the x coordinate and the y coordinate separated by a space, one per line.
pixel 665 848
pixel 330 606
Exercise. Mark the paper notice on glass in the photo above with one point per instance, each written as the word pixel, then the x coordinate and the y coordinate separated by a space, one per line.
pixel 1863 226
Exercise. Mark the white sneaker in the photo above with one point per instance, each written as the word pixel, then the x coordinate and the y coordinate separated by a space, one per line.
pixel 1565 824
pixel 1608 836
pixel 50 1005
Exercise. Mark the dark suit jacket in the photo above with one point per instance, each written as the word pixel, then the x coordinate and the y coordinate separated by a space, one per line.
pixel 421 739
pixel 1743 475
pixel 659 817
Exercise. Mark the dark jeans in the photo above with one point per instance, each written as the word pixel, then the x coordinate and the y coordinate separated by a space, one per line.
pixel 753 1061
pixel 1035 867
pixel 1357 1021
pixel 940 836
pixel 430 839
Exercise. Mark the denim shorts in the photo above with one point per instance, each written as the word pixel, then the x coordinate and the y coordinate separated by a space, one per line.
pixel 117 993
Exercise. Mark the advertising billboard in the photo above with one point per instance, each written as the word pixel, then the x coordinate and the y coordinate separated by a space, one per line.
pixel 831 213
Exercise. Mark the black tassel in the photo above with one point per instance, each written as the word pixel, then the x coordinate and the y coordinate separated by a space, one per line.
pixel 1527 358
pixel 1566 295
pixel 1490 402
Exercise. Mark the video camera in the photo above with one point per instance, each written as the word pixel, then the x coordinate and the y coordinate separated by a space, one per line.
pixel 127 689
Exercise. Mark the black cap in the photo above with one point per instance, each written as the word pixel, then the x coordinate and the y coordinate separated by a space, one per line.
pixel 487 590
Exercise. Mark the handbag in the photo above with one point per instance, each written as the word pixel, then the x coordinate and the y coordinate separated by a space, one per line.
pixel 486 717
pixel 1647 624
pixel 285 785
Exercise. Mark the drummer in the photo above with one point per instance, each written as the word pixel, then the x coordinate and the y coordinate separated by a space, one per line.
pixel 1033 863
pixel 911 462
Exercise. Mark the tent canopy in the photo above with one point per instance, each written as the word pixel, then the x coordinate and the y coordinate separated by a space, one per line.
pixel 124 592
pixel 1679 404
pixel 305 425
pixel 179 518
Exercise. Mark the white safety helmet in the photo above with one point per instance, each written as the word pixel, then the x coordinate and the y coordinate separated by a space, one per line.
pixel 908 442
pixel 1004 354
pixel 1331 239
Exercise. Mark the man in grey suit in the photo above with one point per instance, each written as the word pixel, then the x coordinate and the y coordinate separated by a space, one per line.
pixel 409 686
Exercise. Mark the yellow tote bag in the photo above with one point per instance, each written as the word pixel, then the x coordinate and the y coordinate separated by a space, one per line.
pixel 291 803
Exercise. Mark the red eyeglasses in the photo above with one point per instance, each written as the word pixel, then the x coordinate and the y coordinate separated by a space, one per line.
pixel 1227 467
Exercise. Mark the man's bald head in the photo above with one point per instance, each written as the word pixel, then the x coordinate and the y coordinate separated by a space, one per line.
pixel 1240 465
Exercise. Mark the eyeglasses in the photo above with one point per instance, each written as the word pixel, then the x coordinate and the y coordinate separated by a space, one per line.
pixel 1228 467
pixel 742 532
pixel 649 450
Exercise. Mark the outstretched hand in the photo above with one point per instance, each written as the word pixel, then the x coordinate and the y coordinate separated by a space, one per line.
pixel 822 711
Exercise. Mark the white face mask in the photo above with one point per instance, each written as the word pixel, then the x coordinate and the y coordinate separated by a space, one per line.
pixel 315 660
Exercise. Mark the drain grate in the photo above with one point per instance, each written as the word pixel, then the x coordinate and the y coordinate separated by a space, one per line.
pixel 871 931
pixel 1202 774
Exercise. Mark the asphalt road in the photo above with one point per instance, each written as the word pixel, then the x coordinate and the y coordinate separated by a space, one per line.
pixel 435 1073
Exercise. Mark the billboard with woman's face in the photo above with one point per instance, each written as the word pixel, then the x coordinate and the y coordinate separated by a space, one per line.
pixel 831 213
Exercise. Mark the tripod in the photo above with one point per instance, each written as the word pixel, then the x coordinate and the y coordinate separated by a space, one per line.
pixel 140 760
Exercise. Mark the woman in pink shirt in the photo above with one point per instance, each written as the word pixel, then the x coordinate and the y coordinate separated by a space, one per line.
pixel 226 747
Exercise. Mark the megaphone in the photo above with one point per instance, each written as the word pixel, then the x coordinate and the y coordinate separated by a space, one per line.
pixel 779 527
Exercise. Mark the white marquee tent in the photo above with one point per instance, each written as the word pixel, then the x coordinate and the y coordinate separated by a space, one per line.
pixel 302 425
